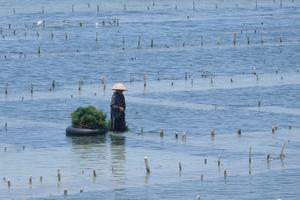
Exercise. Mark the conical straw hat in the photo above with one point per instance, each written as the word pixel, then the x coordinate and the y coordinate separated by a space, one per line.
pixel 119 86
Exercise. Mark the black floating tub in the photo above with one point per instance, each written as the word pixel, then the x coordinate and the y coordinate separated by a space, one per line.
pixel 71 131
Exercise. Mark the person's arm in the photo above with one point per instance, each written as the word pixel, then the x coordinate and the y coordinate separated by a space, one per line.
pixel 114 102
pixel 124 104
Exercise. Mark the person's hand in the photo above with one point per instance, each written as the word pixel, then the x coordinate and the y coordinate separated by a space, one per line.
pixel 121 109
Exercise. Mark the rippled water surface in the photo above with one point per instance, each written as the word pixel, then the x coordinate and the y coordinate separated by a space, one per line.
pixel 222 65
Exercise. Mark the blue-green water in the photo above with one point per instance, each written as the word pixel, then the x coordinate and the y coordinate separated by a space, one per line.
pixel 220 91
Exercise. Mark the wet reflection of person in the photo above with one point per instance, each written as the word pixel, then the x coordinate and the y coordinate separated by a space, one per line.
pixel 118 107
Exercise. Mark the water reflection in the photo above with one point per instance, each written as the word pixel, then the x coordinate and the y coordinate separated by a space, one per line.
pixel 92 148
pixel 88 141
pixel 118 157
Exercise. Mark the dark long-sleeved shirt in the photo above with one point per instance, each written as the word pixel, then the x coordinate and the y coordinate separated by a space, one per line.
pixel 117 100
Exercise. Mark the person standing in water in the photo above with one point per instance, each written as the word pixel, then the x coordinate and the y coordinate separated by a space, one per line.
pixel 118 107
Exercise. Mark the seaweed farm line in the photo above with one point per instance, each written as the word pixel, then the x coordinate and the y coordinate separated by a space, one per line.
pixel 212 103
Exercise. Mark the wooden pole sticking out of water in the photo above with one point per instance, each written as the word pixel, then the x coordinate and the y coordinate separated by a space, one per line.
pixel 8 183
pixel 213 133
pixel 31 89
pixel 183 135
pixel 282 155
pixel 273 129
pixel 145 80
pixel 202 177
pixel 219 161
pixel 98 8
pixel 205 161
pixel 147 164
pixel 176 135
pixel 225 174
pixel 139 42
pixel 41 179
pixel 72 8
pixel 250 155
pixel 250 169
pixel 197 197
pixel 180 168
pixel 201 40
pixel 161 133
pixel 239 132
pixel 94 173
pixel 58 175
pixel 65 192
pixel 268 158
pixel 30 180
pixel 234 39
pixel 152 43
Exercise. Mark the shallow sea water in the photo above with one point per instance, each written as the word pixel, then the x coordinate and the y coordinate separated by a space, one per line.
pixel 220 92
